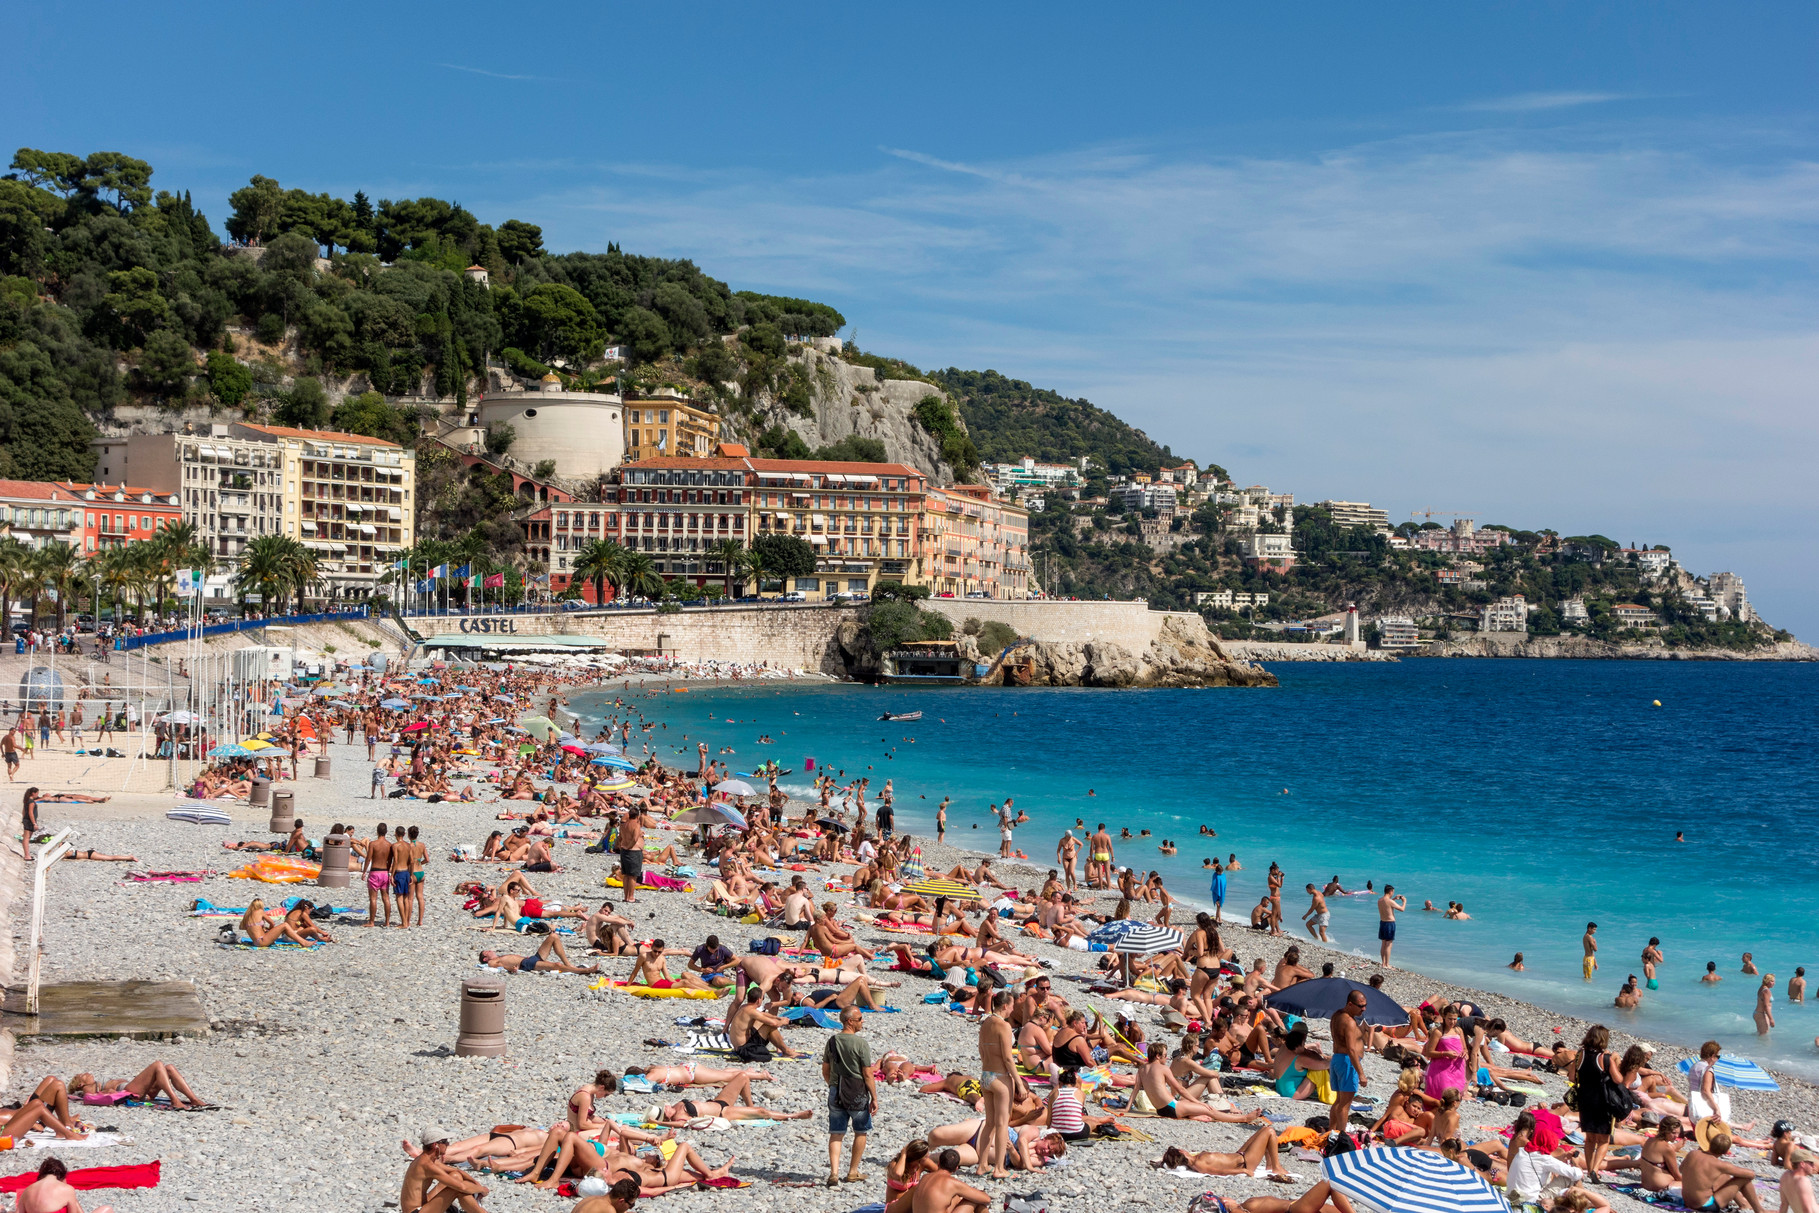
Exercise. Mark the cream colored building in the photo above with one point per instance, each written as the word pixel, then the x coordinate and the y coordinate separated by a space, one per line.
pixel 975 545
pixel 583 433
pixel 669 424
pixel 350 499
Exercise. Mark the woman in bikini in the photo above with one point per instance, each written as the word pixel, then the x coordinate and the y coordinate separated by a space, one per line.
pixel 1029 1147
pixel 255 928
pixel 903 1173
pixel 696 1075
pixel 679 1114
pixel 1409 1116
pixel 147 1084
pixel 1260 1149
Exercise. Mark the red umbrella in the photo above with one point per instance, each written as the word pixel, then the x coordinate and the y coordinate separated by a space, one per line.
pixel 412 728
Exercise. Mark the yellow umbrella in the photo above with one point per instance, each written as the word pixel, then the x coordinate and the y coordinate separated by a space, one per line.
pixel 940 887
pixel 253 743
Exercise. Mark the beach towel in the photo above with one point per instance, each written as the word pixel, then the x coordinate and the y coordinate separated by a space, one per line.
pixel 276 946
pixel 707 1042
pixel 1661 1200
pixel 204 908
pixel 166 877
pixel 201 815
pixel 44 1139
pixel 87 1179
pixel 637 1084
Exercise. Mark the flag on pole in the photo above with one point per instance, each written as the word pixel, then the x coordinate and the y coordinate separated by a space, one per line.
pixel 401 566
pixel 495 582
pixel 440 570
pixel 459 574
pixel 426 586
pixel 473 583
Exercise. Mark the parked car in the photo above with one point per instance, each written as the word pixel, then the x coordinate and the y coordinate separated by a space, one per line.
pixel 794 596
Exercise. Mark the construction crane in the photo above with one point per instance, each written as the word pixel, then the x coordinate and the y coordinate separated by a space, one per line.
pixel 1429 514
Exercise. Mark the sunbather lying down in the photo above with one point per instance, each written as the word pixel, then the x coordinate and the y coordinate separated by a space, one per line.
pixel 551 957
pixel 98 857
pixel 158 1078
pixel 683 1111
pixel 1260 1148
pixel 1321 1198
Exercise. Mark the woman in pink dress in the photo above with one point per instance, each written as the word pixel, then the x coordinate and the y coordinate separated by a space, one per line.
pixel 1445 1052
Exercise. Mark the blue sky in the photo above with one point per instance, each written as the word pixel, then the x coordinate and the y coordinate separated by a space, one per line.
pixel 1542 264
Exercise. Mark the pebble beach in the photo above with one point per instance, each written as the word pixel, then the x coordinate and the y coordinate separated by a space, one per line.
pixel 323 1060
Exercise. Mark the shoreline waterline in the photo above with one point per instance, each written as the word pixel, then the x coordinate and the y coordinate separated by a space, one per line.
pixel 1533 854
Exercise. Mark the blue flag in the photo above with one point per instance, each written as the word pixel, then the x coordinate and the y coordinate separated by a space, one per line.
pixel 459 574
pixel 426 587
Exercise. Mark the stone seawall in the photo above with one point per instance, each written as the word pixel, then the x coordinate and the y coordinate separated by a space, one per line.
pixel 1131 624
pixel 794 638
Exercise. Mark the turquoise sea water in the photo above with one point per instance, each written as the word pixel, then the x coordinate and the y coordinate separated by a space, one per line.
pixel 1542 795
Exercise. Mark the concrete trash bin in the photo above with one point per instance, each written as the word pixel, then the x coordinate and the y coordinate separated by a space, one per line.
pixel 336 849
pixel 322 767
pixel 284 812
pixel 482 1031
pixel 262 794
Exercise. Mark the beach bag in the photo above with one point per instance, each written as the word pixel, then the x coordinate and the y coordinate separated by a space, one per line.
pixel 770 945
pixel 1141 1105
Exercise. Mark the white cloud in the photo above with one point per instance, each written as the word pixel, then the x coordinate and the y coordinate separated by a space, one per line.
pixel 1522 103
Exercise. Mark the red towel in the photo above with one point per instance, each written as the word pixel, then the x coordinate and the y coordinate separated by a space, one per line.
pixel 139 1175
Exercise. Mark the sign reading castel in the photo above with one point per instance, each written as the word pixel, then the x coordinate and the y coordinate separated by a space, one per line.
pixel 486 625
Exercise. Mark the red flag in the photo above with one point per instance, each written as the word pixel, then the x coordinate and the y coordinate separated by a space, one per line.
pixel 496 581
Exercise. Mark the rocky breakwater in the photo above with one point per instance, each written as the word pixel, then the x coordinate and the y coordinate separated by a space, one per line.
pixel 1182 654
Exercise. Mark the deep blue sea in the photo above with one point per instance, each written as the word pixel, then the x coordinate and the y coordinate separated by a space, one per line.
pixel 1541 794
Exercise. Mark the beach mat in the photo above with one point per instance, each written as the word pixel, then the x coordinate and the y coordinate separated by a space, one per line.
pixel 277 946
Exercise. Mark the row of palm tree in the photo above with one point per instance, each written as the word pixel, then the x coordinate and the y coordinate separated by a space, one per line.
pixel 276 567
pixel 143 571
pixel 606 562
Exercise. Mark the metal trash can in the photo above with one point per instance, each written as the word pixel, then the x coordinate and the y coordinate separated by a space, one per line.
pixel 322 767
pixel 336 851
pixel 482 1031
pixel 262 794
pixel 284 812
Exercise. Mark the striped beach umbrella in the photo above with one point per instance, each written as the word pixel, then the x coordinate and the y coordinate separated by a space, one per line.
pixel 1109 933
pixel 1738 1072
pixel 613 762
pixel 710 814
pixel 735 787
pixel 1147 939
pixel 936 886
pixel 1395 1179
pixel 230 750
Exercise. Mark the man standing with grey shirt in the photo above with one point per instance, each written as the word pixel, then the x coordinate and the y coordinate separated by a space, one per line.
pixel 852 1094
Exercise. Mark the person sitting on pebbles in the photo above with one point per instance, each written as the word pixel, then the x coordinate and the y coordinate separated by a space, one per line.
pixel 550 957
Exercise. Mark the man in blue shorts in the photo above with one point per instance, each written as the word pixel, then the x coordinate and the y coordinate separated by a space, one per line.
pixel 1347 1069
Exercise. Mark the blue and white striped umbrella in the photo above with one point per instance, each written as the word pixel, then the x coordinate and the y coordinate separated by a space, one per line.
pixel 1395 1179
pixel 1738 1072
pixel 614 762
pixel 1147 939
pixel 1109 933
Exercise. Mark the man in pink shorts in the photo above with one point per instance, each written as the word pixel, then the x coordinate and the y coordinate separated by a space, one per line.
pixel 378 877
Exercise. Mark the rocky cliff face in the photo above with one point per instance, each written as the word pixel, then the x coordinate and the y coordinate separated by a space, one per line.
pixel 852 400
pixel 1514 644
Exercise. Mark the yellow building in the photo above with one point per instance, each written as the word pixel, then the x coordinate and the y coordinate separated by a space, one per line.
pixel 669 425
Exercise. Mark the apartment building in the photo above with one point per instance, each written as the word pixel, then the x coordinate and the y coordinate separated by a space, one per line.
pixel 1726 589
pixel 674 507
pixel 1574 614
pixel 115 515
pixel 1356 513
pixel 1141 494
pixel 1231 600
pixel 347 497
pixel 1027 476
pixel 1397 632
pixel 980 544
pixel 865 520
pixel 669 424
pixel 1504 615
pixel 1267 551
pixel 39 513
pixel 1462 538
pixel 1634 615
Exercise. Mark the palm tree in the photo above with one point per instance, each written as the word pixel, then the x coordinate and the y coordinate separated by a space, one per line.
pixel 600 561
pixel 753 560
pixel 299 568
pixel 15 573
pixel 265 568
pixel 111 570
pixel 640 576
pixel 728 553
pixel 57 567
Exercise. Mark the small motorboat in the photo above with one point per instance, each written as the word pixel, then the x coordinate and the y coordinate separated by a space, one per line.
pixel 901 716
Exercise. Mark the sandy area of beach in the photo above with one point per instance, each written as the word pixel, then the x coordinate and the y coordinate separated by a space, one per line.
pixel 324 1059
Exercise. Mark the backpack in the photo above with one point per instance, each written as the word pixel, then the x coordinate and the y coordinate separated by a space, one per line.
pixel 770 945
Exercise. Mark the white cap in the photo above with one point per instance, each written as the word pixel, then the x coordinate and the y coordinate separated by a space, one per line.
pixel 432 1136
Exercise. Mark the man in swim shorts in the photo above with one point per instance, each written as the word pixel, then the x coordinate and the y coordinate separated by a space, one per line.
pixel 400 868
pixel 1589 942
pixel 1387 905
pixel 550 957
pixel 1318 917
pixel 630 845
pixel 378 871
pixel 1346 1071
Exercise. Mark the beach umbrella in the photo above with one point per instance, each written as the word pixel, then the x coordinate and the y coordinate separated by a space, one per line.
pixel 711 815
pixel 393 705
pixel 540 727
pixel 604 747
pixel 1397 1179
pixel 230 750
pixel 614 763
pixel 255 744
pixel 1147 939
pixel 1738 1072
pixel 1322 997
pixel 573 749
pixel 735 787
pixel 178 718
pixel 497 720
pixel 936 886
pixel 414 727
pixel 459 687
pixel 1109 933
pixel 507 698
pixel 831 823
pixel 200 814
